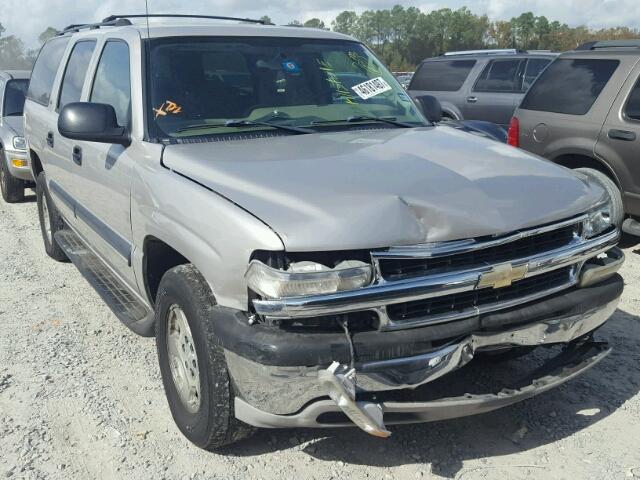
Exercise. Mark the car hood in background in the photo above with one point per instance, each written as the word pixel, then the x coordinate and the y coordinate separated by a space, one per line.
pixel 15 124
pixel 377 188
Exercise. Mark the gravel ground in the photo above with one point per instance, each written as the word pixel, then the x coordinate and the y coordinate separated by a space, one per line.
pixel 81 398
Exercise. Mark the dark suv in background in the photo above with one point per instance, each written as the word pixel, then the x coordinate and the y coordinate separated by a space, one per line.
pixel 583 112
pixel 479 84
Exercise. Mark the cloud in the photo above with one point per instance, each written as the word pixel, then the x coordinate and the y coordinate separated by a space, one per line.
pixel 28 18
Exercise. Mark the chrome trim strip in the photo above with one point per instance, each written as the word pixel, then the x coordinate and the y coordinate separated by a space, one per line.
pixel 434 250
pixel 382 294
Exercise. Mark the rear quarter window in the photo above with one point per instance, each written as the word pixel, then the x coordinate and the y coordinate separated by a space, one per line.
pixel 570 86
pixel 45 69
pixel 442 76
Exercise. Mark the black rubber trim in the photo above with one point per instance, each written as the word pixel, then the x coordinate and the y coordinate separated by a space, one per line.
pixel 274 347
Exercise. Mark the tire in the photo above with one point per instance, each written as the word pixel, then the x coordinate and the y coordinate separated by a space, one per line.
pixel 204 412
pixel 12 188
pixel 50 220
pixel 617 210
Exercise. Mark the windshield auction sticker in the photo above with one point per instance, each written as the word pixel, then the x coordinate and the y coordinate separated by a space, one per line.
pixel 371 88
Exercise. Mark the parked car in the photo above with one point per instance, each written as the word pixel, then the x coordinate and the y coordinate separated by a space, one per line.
pixel 15 168
pixel 584 113
pixel 404 79
pixel 479 84
pixel 302 247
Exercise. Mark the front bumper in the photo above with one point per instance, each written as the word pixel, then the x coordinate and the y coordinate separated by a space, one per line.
pixel 23 172
pixel 295 394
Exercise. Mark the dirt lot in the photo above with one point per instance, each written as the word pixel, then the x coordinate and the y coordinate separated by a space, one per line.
pixel 81 398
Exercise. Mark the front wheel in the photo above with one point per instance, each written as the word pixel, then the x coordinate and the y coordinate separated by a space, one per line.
pixel 192 363
pixel 12 188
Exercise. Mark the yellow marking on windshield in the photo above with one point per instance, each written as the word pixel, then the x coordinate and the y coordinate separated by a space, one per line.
pixel 167 107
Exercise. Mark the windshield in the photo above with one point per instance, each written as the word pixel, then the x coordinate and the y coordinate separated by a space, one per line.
pixel 211 86
pixel 14 97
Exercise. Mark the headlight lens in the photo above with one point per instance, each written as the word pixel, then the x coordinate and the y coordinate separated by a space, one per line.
pixel 598 221
pixel 19 143
pixel 307 278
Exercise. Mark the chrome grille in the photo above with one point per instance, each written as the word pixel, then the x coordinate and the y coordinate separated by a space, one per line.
pixel 393 269
pixel 461 302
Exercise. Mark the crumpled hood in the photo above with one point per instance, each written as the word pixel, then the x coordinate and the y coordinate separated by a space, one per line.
pixel 378 188
pixel 15 123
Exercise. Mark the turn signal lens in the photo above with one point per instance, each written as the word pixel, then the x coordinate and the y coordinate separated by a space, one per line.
pixel 19 163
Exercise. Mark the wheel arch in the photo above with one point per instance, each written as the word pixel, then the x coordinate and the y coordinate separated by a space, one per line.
pixel 158 258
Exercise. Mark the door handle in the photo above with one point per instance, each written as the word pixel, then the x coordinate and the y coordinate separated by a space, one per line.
pixel 50 139
pixel 472 99
pixel 624 135
pixel 77 155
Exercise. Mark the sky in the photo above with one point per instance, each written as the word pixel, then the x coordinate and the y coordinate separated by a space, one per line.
pixel 28 18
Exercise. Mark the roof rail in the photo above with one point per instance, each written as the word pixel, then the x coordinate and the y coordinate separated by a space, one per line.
pixel 602 44
pixel 91 26
pixel 495 51
pixel 171 15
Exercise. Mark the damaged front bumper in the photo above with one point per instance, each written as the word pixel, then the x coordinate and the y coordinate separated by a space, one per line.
pixel 274 396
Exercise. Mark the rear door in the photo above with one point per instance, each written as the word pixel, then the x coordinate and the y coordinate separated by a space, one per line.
pixel 61 161
pixel 447 79
pixel 103 181
pixel 619 141
pixel 39 113
pixel 496 92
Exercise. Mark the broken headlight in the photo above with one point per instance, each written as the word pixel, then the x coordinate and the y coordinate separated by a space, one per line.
pixel 598 220
pixel 307 278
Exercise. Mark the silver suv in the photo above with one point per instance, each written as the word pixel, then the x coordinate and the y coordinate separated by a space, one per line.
pixel 480 84
pixel 15 169
pixel 304 245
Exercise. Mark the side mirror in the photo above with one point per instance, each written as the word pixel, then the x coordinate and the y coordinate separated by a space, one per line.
pixel 92 122
pixel 431 108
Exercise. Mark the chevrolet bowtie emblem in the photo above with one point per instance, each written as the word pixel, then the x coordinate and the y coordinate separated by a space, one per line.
pixel 502 275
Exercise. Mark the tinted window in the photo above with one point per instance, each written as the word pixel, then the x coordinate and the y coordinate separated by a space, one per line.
pixel 499 76
pixel 632 109
pixel 14 97
pixel 112 84
pixel 442 76
pixel 45 69
pixel 534 67
pixel 569 86
pixel 75 72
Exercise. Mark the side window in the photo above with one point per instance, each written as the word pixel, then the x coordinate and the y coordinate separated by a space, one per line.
pixel 76 72
pixel 570 85
pixel 632 108
pixel 499 76
pixel 535 66
pixel 45 69
pixel 442 76
pixel 112 83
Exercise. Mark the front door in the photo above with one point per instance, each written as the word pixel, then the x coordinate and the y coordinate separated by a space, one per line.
pixel 103 184
pixel 619 141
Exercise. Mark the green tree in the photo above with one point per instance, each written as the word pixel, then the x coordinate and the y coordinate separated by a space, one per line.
pixel 346 22
pixel 50 32
pixel 314 23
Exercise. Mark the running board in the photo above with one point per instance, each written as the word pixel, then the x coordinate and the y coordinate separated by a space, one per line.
pixel 124 305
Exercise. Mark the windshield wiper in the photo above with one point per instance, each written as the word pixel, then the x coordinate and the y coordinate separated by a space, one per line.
pixel 365 118
pixel 247 123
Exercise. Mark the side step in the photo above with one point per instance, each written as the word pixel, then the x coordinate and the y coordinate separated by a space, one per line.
pixel 126 306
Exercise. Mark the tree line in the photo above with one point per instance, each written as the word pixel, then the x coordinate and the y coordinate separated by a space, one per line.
pixel 404 36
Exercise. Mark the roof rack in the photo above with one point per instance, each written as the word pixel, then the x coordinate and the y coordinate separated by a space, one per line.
pixel 172 15
pixel 120 22
pixel 495 51
pixel 602 44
